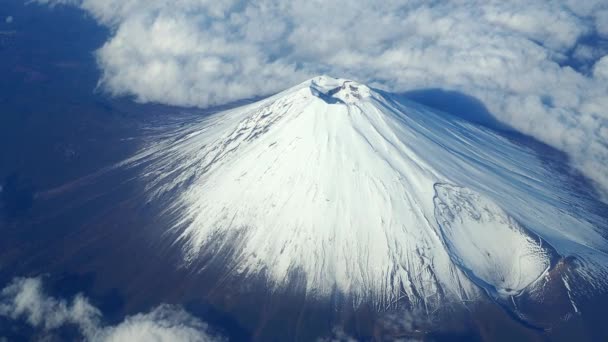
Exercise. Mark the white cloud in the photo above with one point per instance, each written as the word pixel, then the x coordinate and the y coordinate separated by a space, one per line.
pixel 8 19
pixel 25 299
pixel 510 55
pixel 600 69
pixel 165 323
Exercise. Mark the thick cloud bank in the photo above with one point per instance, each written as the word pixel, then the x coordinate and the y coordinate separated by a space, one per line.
pixel 24 299
pixel 540 67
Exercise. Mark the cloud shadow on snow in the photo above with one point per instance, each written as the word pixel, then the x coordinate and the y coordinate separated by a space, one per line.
pixel 469 108
pixel 457 104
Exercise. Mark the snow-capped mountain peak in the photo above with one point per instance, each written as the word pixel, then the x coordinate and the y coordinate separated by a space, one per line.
pixel 339 90
pixel 364 193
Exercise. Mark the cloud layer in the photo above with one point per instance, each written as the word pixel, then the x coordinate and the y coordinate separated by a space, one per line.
pixel 540 67
pixel 25 299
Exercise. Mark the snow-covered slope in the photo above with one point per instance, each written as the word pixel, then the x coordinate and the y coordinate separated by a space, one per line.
pixel 370 195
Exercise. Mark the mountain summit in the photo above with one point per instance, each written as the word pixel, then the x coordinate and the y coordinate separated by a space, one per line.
pixel 361 192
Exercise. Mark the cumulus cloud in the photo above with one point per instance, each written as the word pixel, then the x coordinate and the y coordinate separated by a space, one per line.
pixel 538 66
pixel 600 70
pixel 25 299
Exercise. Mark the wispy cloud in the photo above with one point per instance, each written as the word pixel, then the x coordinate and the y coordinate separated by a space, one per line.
pixel 540 67
pixel 24 299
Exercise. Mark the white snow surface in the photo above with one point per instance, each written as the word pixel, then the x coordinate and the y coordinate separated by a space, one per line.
pixel 367 194
pixel 486 242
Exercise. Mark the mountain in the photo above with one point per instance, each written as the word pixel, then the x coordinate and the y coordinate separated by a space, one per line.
pixel 357 191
